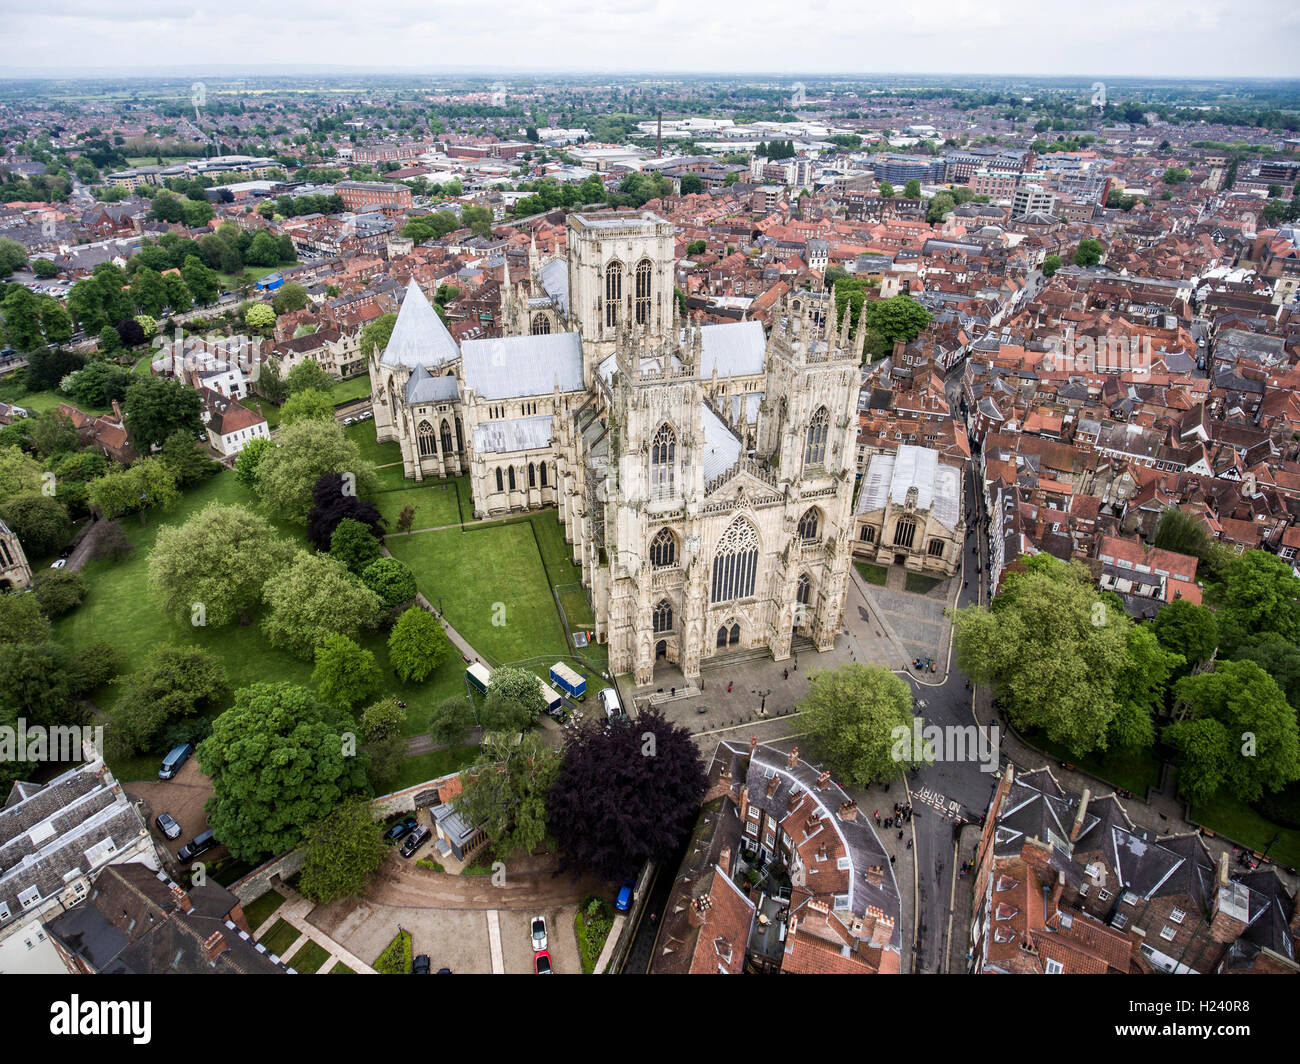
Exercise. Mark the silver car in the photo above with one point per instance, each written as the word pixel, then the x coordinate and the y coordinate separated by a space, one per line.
pixel 539 933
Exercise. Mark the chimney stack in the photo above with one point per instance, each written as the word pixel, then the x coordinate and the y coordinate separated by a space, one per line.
pixel 182 899
pixel 849 811
pixel 793 801
pixel 1055 902
pixel 772 785
pixel 823 781
pixel 1077 829
pixel 724 861
pixel 753 744
pixel 699 910
pixel 215 946
pixel 875 875
pixel 792 759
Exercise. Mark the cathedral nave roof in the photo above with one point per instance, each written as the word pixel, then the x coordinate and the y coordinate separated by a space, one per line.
pixel 506 435
pixel 511 367
pixel 419 338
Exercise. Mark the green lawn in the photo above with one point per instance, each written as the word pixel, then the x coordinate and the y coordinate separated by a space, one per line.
pixel 436 763
pixel 1134 770
pixel 872 574
pixel 363 435
pixel 434 501
pixel 492 585
pixel 259 910
pixel 920 584
pixel 341 969
pixel 41 402
pixel 268 410
pixel 1235 820
pixel 307 961
pixel 350 390
pixel 281 936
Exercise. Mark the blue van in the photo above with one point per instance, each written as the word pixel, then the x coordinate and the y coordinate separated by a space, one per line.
pixel 174 760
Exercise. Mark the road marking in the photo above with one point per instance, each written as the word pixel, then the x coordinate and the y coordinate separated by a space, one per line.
pixel 494 942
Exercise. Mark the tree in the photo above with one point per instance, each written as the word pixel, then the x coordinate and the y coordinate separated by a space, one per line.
pixel 1278 657
pixel 354 544
pixel 332 504
pixel 148 291
pixel 514 700
pixel 450 720
pixel 391 580
pixel 851 716
pixel 53 433
pixel 21 620
pixel 1051 647
pixel 691 184
pixel 202 282
pixel 1140 688
pixel 156 407
pixel 380 720
pixel 1259 594
pixel 246 465
pixel 1259 745
pixel 289 297
pixel 886 190
pixel 113 544
pixel 697 247
pixel 1181 533
pixel 172 683
pixel 187 459
pixel 478 220
pixel 308 375
pixel 59 591
pixel 1088 253
pixel 13 256
pixel 344 850
pixel 1050 265
pixel 1188 629
pixel 406 518
pixel 278 762
pixel 313 598
pixel 98 383
pixel 375 336
pixel 653 768
pixel 150 482
pixel 179 297
pixel 19 473
pixel 940 206
pixel 40 522
pixel 345 674
pixel 259 316
pixel 418 645
pixel 307 405
pixel 912 190
pixel 506 790
pixel 211 570
pixel 305 452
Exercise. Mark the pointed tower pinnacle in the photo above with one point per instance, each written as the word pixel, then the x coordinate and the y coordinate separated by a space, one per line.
pixel 859 342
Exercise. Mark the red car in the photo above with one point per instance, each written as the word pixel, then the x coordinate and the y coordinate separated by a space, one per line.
pixel 542 963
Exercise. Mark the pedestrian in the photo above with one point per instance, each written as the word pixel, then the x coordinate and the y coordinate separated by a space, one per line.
pixel 900 833
pixel 785 674
pixel 965 583
pixel 891 858
pixel 876 814
pixel 909 844
pixel 729 687
pixel 877 820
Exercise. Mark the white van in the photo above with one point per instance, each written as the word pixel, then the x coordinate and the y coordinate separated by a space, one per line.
pixel 609 699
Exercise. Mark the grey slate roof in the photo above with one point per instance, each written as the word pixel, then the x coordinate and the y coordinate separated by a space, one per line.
pixel 889 476
pixel 512 434
pixel 555 280
pixel 424 387
pixel 721 448
pixel 736 349
pixel 419 338
pixel 508 367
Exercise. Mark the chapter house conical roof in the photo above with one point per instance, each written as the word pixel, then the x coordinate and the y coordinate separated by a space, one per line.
pixel 419 337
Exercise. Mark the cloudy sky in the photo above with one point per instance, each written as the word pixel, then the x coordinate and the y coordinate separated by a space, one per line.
pixel 1086 38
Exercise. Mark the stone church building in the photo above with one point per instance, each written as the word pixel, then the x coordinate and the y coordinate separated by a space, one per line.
pixel 909 511
pixel 15 573
pixel 703 474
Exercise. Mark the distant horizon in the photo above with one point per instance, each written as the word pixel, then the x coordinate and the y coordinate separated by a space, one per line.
pixel 1152 39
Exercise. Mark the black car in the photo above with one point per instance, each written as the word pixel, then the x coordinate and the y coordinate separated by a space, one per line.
pixel 415 840
pixel 401 829
pixel 420 966
pixel 201 843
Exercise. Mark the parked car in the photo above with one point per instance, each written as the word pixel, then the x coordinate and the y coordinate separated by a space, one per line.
pixel 59 564
pixel 420 966
pixel 415 840
pixel 201 843
pixel 175 758
pixel 349 420
pixel 542 963
pixel 168 826
pixel 539 934
pixel 401 829
pixel 624 900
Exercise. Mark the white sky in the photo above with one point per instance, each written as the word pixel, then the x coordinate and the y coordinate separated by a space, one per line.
pixel 1085 38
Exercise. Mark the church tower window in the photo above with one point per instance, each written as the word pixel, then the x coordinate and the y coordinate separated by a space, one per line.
pixel 904 532
pixel 663 616
pixel 428 445
pixel 500 485
pixel 663 549
pixel 446 437
pixel 815 450
pixel 663 459
pixel 532 475
pixel 541 325
pixel 735 562
pixel 808 525
pixel 511 473
pixel 644 270
pixel 613 291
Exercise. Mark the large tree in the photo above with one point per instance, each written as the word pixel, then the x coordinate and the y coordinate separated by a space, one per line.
pixel 1257 746
pixel 1051 647
pixel 344 850
pixel 1259 594
pixel 345 674
pixel 308 376
pixel 149 482
pixel 505 792
pixel 278 762
pixel 20 474
pixel 1188 629
pixel 312 598
pixel 304 453
pixel 354 544
pixel 172 683
pixel 332 504
pixel 625 795
pixel 211 569
pixel 307 404
pixel 418 645
pixel 514 700
pixel 21 620
pixel 40 522
pixel 391 580
pixel 1278 657
pixel 156 407
pixel 851 714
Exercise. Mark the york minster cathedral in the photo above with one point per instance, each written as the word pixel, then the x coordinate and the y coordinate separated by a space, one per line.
pixel 703 474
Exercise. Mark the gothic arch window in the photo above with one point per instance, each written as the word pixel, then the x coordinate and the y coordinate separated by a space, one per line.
pixel 663 549
pixel 904 532
pixel 722 636
pixel 392 400
pixel 663 616
pixel 663 459
pixel 500 485
pixel 6 559
pixel 808 525
pixel 532 475
pixel 803 590
pixel 613 291
pixel 642 292
pixel 735 562
pixel 935 549
pixel 868 534
pixel 428 444
pixel 543 474
pixel 814 452
pixel 733 637
pixel 460 437
pixel 541 325
pixel 446 437
pixel 511 474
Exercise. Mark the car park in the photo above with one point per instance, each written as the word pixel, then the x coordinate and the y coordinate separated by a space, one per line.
pixel 539 934
pixel 401 829
pixel 176 757
pixel 415 840
pixel 168 826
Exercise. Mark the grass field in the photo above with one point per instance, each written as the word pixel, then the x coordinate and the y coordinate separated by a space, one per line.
pixel 41 402
pixel 363 435
pixel 308 960
pixel 341 969
pixel 434 502
pixel 1235 820
pixel 260 909
pixel 279 938
pixel 350 390
pixel 872 574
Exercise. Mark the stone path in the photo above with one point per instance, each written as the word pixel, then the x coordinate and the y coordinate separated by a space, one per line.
pixel 294 912
pixel 494 942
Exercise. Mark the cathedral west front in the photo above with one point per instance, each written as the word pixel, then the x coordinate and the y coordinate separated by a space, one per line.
pixel 703 475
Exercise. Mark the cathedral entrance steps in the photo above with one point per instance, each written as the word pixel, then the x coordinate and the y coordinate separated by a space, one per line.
pixel 737 657
pixel 801 644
